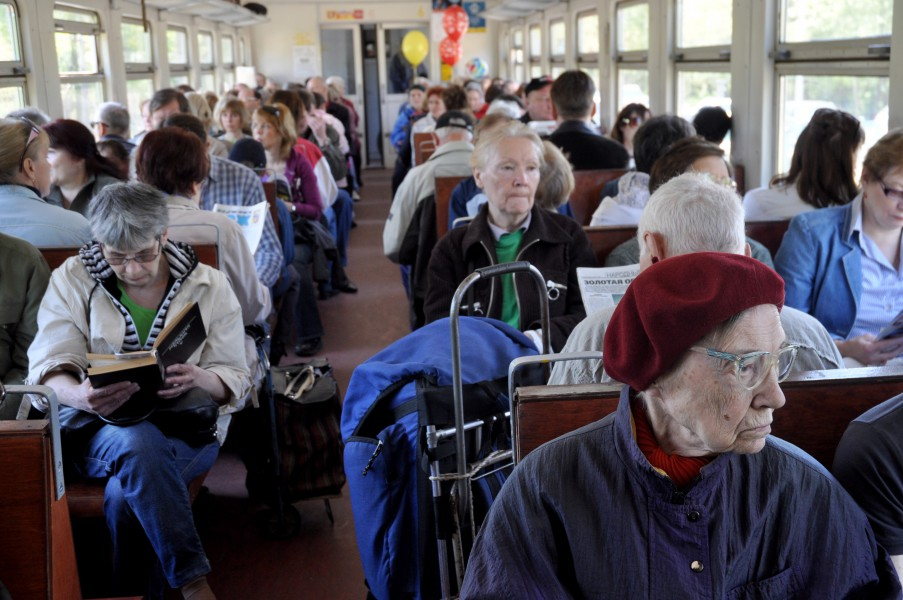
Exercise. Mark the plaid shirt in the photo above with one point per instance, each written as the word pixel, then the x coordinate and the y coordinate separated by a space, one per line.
pixel 232 183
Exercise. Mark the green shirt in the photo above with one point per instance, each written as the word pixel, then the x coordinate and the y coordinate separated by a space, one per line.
pixel 142 317
pixel 506 248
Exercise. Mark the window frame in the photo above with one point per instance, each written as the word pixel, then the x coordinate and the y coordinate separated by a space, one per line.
pixel 140 70
pixel 180 69
pixel 533 64
pixel 851 57
pixel 517 54
pixel 629 60
pixel 14 73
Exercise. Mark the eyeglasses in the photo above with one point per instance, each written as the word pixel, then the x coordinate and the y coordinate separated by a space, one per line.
pixel 34 134
pixel 117 260
pixel 272 110
pixel 753 368
pixel 96 123
pixel 633 121
pixel 891 193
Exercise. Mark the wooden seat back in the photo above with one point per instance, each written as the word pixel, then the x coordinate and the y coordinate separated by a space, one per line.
pixel 768 233
pixel 37 555
pixel 606 238
pixel 424 146
pixel 819 406
pixel 269 190
pixel 208 254
pixel 588 186
pixel 444 188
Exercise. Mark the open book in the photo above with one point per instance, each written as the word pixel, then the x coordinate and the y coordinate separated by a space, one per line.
pixel 183 334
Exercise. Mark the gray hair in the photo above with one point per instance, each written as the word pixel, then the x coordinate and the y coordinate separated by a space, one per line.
pixel 694 214
pixel 116 117
pixel 489 140
pixel 448 134
pixel 128 216
pixel 33 114
pixel 506 107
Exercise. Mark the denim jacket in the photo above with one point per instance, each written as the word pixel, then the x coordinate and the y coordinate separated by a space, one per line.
pixel 821 262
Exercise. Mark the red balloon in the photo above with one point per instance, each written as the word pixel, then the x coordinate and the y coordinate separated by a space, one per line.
pixel 450 51
pixel 455 22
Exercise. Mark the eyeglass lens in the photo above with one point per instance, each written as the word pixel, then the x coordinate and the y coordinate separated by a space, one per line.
pixel 753 370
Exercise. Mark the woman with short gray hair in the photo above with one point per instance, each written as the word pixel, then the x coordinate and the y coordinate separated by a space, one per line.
pixel 117 296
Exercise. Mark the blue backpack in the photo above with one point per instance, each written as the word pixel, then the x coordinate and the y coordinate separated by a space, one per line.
pixel 390 398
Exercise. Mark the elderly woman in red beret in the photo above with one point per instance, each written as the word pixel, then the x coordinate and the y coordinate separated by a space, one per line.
pixel 682 493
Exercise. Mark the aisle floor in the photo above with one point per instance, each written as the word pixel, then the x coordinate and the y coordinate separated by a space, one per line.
pixel 322 561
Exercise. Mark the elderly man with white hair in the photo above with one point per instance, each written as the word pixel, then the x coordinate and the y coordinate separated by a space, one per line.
pixel 689 214
pixel 454 135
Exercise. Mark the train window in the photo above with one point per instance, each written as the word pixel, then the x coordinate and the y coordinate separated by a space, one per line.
pixel 139 60
pixel 136 45
pixel 801 94
pixel 703 23
pixel 808 20
pixel 227 49
pixel 588 37
pixel 836 58
pixel 588 51
pixel 10 51
pixel 81 77
pixel 632 31
pixel 633 26
pixel 12 83
pixel 137 91
pixel 534 33
pixel 207 81
pixel 703 30
pixel 557 46
pixel 517 55
pixel 177 55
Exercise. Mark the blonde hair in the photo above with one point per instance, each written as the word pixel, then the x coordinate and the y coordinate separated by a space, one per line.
pixel 556 179
pixel 282 121
pixel 14 134
pixel 200 108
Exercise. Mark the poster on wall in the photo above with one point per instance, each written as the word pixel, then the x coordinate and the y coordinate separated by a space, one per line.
pixel 305 62
pixel 443 4
pixel 474 13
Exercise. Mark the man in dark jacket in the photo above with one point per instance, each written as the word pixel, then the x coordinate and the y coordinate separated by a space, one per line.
pixel 578 138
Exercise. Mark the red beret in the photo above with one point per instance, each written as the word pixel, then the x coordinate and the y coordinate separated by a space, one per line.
pixel 674 303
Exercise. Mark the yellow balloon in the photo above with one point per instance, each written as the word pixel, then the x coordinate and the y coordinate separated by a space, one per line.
pixel 415 47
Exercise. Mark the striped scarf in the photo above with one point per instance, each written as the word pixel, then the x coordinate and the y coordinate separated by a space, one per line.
pixel 182 261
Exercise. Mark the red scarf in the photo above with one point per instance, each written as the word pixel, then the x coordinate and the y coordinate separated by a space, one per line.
pixel 681 469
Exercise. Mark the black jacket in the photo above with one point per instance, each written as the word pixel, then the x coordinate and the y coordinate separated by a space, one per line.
pixel 586 149
pixel 554 244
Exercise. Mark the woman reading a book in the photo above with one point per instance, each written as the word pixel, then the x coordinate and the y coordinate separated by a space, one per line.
pixel 121 294
pixel 842 264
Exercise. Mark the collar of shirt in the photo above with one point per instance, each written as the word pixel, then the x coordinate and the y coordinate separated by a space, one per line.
pixel 574 125
pixel 498 232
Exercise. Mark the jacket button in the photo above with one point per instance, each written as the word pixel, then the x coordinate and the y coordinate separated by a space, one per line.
pixel 696 566
pixel 693 516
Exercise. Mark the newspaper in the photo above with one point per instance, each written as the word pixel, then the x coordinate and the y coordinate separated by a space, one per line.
pixel 895 329
pixel 604 287
pixel 249 218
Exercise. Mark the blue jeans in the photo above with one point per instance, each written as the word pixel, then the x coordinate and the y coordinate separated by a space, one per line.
pixel 146 503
